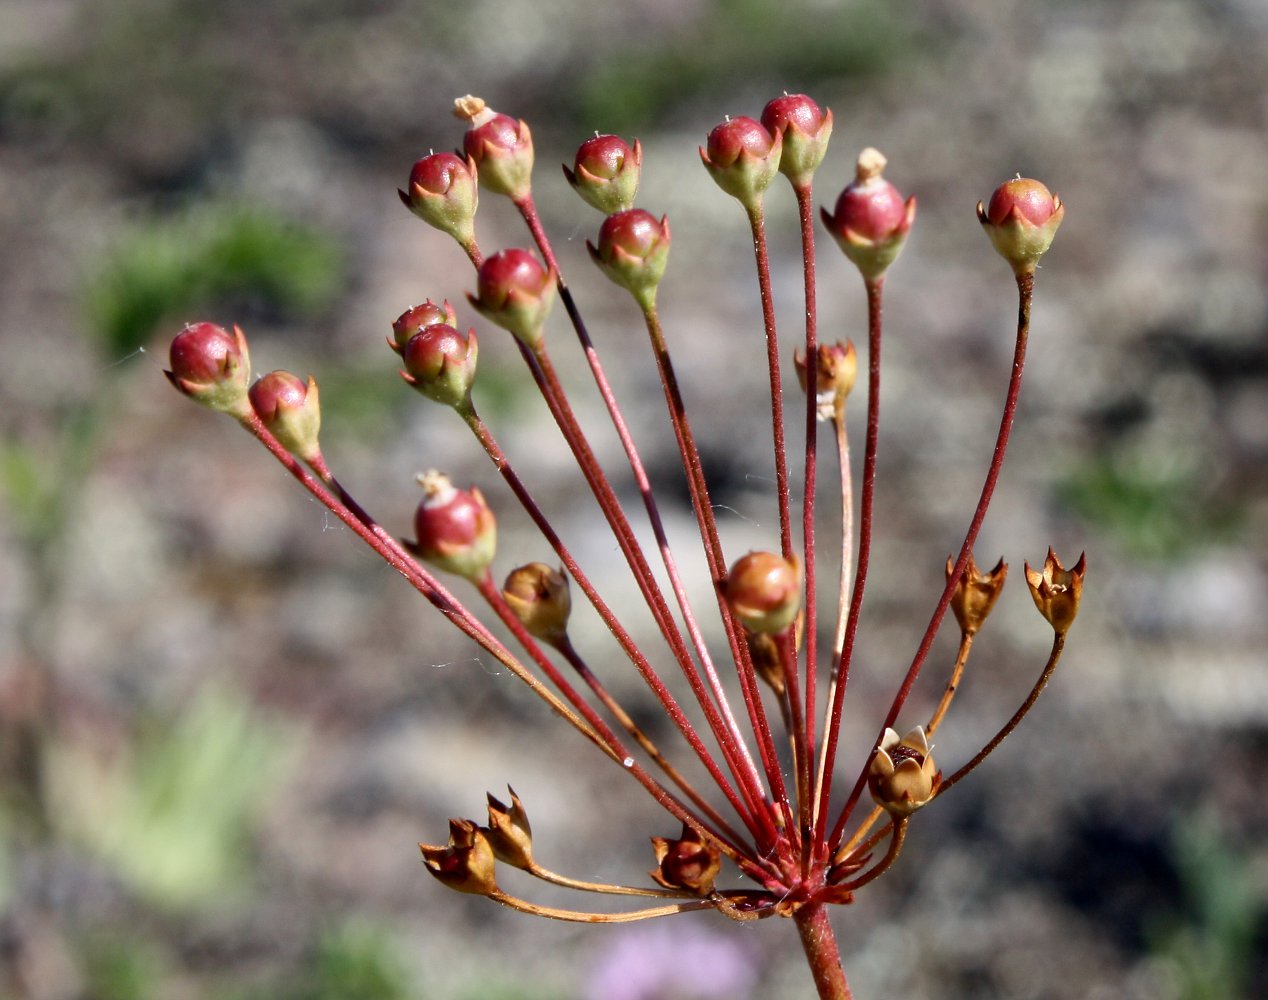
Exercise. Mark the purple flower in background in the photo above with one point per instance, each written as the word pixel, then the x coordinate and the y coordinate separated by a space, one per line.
pixel 658 962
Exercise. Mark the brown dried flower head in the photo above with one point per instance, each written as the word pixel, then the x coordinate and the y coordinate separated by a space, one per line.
pixel 976 593
pixel 466 863
pixel 902 776
pixel 1057 590
pixel 686 863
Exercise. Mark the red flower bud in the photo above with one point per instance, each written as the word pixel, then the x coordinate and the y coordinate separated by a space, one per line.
pixel 289 408
pixel 500 147
pixel 212 365
pixel 1021 221
pixel 440 362
pixel 764 591
pixel 514 291
pixel 633 250
pixel 871 220
pixel 418 318
pixel 743 158
pixel 455 528
pixel 606 173
pixel 442 192
pixel 806 131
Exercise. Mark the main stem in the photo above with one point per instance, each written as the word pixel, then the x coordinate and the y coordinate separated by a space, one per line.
pixel 820 945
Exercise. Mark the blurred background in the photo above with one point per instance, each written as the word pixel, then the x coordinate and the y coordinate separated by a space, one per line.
pixel 225 725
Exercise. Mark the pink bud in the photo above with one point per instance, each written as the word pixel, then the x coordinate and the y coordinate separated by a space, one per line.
pixel 606 173
pixel 212 365
pixel 289 408
pixel 806 131
pixel 500 147
pixel 743 158
pixel 418 318
pixel 1029 198
pixel 1021 221
pixel 455 528
pixel 442 192
pixel 871 220
pixel 440 363
pixel 514 291
pixel 633 250
pixel 764 591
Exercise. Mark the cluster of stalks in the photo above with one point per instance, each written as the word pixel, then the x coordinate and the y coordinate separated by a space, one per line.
pixel 775 811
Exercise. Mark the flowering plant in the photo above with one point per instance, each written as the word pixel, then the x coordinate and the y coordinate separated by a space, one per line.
pixel 760 722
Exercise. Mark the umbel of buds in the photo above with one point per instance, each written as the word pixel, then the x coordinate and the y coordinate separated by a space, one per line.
pixel 775 810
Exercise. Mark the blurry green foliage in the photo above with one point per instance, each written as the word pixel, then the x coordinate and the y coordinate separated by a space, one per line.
pixel 122 968
pixel 209 255
pixel 1154 510
pixel 174 817
pixel 1213 953
pixel 802 41
pixel 357 961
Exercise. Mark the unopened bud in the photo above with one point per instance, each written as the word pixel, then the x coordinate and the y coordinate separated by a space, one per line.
pixel 212 366
pixel 540 599
pixel 1021 220
pixel 806 131
pixel 606 173
pixel 500 147
pixel 455 529
pixel 871 221
pixel 289 408
pixel 633 251
pixel 440 362
pixel 514 291
pixel 764 591
pixel 442 192
pixel 417 319
pixel 743 158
